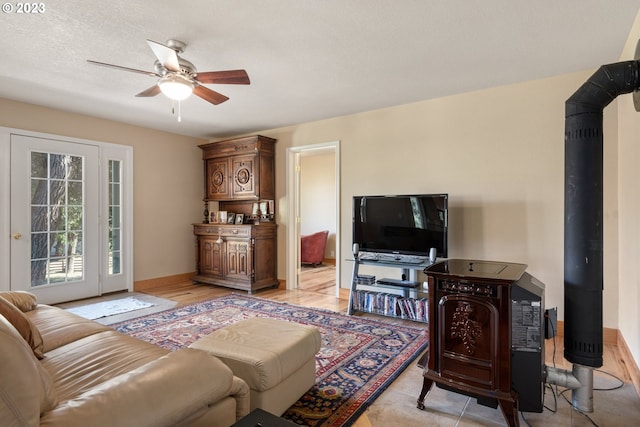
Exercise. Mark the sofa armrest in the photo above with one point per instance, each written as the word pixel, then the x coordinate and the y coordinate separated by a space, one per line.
pixel 241 392
pixel 159 393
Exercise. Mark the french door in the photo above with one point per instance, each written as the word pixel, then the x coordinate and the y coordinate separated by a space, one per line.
pixel 55 211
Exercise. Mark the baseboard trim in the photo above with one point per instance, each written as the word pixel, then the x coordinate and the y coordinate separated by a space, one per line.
pixel 609 335
pixel 329 261
pixel 612 336
pixel 629 362
pixel 159 282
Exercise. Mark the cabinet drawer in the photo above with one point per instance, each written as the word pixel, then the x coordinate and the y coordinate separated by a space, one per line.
pixel 222 230
pixel 236 231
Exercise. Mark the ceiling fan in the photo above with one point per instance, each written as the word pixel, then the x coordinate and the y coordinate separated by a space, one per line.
pixel 178 78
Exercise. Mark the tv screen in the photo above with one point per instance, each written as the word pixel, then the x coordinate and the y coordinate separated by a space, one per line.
pixel 409 225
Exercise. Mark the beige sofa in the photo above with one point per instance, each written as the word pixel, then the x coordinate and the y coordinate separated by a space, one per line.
pixel 58 369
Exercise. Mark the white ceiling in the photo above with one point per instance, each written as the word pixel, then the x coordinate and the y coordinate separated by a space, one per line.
pixel 307 59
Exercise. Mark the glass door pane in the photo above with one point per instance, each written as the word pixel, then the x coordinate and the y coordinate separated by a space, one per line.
pixel 57 218
pixel 115 219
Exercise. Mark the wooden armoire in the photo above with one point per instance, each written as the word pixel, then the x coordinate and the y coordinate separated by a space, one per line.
pixel 239 174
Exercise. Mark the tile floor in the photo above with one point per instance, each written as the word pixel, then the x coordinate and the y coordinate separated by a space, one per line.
pixel 616 408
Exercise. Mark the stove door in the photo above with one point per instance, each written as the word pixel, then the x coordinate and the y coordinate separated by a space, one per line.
pixel 468 340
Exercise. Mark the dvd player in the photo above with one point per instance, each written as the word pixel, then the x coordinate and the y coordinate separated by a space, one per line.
pixel 398 282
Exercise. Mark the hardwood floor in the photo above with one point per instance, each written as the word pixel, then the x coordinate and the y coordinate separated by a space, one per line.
pixel 318 290
pixel 320 279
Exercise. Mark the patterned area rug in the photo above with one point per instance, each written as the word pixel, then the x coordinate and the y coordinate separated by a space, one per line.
pixel 358 360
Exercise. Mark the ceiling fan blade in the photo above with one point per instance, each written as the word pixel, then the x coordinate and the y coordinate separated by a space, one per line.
pixel 209 95
pixel 152 91
pixel 119 67
pixel 167 56
pixel 229 77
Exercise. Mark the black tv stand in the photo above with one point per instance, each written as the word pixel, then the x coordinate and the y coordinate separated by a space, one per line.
pixel 394 258
pixel 404 298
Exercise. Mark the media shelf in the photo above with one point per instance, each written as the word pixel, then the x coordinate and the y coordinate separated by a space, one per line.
pixel 403 298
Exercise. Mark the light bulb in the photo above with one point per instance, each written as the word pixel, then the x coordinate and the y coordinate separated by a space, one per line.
pixel 176 86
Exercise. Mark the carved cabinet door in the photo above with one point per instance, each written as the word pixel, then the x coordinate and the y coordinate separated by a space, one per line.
pixel 239 264
pixel 243 185
pixel 210 257
pixel 217 179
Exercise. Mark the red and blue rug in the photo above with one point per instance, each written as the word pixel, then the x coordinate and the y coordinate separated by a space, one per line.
pixel 358 360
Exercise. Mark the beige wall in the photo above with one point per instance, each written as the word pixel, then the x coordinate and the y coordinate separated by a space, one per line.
pixel 167 182
pixel 499 153
pixel 318 197
pixel 629 206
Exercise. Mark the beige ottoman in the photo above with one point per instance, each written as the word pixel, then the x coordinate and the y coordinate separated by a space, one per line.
pixel 276 358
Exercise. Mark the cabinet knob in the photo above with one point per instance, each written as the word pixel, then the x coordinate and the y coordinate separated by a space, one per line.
pixel 234 231
pixel 17 236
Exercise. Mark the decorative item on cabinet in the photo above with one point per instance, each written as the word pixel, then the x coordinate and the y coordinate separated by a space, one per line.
pixel 262 211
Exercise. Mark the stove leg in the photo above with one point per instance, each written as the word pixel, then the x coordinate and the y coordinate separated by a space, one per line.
pixel 510 411
pixel 426 386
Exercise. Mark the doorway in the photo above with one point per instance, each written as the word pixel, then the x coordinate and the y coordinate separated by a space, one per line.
pixel 53 197
pixel 67 205
pixel 295 209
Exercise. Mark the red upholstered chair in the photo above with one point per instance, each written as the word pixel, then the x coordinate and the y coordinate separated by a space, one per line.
pixel 312 247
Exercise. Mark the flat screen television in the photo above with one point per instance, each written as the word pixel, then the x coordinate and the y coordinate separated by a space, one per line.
pixel 406 225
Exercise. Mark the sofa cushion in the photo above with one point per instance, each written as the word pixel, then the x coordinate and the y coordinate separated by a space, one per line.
pixel 26 389
pixel 23 325
pixel 82 365
pixel 162 393
pixel 60 327
pixel 25 301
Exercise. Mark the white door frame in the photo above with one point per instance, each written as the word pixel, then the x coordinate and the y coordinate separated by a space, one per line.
pixel 293 208
pixel 108 151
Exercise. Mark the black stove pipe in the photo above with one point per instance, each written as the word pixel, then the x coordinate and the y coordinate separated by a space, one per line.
pixel 583 206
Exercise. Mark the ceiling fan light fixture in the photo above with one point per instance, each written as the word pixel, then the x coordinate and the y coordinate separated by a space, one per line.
pixel 176 86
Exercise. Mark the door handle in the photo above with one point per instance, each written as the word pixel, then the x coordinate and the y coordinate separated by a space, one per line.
pixel 17 236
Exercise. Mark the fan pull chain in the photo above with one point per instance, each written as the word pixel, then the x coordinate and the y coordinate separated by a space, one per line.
pixel 173 110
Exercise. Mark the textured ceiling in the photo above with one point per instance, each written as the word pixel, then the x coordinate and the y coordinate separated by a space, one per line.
pixel 307 59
